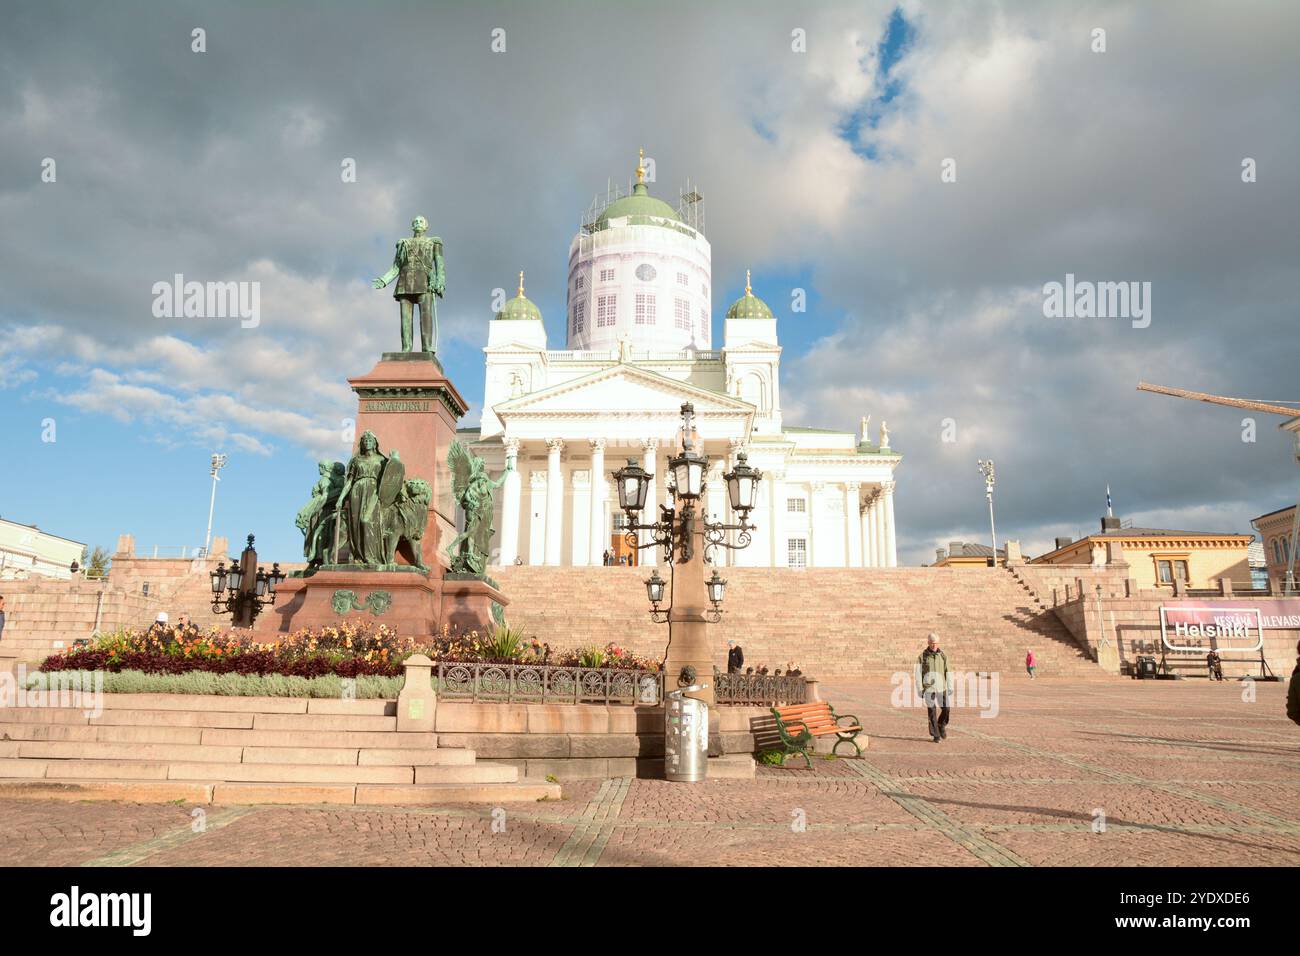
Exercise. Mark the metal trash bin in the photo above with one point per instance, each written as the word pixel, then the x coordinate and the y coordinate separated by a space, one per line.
pixel 1146 668
pixel 686 736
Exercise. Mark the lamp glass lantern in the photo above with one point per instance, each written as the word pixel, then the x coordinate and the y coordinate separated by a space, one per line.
pixel 654 588
pixel 235 577
pixel 275 578
pixel 219 578
pixel 633 485
pixel 688 473
pixel 717 587
pixel 742 484
pixel 259 582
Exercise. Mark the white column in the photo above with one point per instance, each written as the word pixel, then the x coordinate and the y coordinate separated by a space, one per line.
pixel 891 548
pixel 579 513
pixel 537 517
pixel 777 533
pixel 510 505
pixel 650 515
pixel 852 526
pixel 865 527
pixel 598 534
pixel 554 502
pixel 877 539
pixel 814 493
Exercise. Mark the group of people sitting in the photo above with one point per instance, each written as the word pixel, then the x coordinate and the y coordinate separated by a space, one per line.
pixel 184 627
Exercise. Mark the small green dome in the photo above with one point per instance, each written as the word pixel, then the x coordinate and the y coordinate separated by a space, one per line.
pixel 640 203
pixel 520 307
pixel 749 306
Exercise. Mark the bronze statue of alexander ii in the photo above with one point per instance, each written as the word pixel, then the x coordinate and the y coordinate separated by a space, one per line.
pixel 421 276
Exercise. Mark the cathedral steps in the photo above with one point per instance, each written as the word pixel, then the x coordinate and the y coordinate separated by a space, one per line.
pixel 834 622
pixel 157 747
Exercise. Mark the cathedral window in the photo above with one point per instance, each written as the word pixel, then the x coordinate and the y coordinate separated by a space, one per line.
pixel 796 505
pixel 682 280
pixel 682 314
pixel 606 309
pixel 579 282
pixel 606 275
pixel 645 308
pixel 797 554
pixel 579 316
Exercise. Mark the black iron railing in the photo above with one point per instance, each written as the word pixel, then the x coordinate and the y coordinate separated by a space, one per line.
pixel 546 684
pixel 761 689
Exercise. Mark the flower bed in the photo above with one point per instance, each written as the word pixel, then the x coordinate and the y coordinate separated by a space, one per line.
pixel 344 651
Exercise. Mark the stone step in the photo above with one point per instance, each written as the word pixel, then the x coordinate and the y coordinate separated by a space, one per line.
pixel 284 773
pixel 475 773
pixel 71 750
pixel 359 739
pixel 323 722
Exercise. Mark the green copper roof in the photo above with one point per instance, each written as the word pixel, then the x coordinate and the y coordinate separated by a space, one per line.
pixel 749 306
pixel 640 203
pixel 520 307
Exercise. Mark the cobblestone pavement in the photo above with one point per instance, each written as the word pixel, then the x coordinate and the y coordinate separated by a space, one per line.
pixel 1179 774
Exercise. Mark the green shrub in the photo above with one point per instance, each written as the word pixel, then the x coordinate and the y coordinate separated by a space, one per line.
pixel 226 685
pixel 506 644
pixel 772 758
pixel 591 657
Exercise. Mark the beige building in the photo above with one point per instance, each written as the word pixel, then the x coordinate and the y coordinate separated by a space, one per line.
pixel 26 549
pixel 967 554
pixel 1156 556
pixel 1275 533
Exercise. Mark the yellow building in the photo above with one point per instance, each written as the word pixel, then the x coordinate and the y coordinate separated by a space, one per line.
pixel 1158 555
pixel 967 554
pixel 1275 532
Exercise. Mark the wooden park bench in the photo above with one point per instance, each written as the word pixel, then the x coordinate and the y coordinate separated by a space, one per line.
pixel 799 726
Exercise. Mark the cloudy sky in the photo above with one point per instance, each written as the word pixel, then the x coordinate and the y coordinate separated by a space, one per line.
pixel 817 134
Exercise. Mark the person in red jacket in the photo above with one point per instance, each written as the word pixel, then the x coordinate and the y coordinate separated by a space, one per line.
pixel 1030 663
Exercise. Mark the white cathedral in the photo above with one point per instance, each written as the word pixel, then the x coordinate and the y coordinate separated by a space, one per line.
pixel 639 345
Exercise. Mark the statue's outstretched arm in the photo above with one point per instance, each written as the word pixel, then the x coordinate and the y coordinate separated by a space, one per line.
pixel 393 270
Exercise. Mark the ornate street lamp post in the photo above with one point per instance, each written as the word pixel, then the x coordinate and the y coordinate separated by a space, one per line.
pixel 689 542
pixel 244 589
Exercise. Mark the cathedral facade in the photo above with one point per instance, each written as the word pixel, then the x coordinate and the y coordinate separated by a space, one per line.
pixel 638 345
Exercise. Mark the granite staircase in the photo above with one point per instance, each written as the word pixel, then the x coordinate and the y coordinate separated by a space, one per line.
pixel 242 750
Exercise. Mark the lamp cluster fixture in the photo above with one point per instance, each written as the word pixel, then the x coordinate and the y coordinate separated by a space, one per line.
pixel 676 529
pixel 241 592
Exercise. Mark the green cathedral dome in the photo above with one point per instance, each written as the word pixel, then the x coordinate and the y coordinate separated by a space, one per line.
pixel 749 306
pixel 640 204
pixel 520 307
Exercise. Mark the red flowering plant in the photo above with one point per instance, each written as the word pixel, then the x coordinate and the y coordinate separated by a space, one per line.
pixel 347 650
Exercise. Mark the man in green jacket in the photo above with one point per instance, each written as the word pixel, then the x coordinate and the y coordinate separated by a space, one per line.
pixel 934 670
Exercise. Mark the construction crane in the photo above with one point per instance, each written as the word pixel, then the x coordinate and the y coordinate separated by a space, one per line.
pixel 1292 425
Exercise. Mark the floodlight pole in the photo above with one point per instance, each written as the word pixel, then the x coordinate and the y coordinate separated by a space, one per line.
pixel 218 462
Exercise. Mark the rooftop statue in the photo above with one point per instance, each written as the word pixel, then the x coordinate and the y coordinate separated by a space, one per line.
pixel 420 273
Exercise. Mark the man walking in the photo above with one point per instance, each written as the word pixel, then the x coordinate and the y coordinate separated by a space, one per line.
pixel 933 668
pixel 2 616
pixel 735 657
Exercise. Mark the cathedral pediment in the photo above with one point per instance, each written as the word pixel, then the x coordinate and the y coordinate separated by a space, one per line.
pixel 623 389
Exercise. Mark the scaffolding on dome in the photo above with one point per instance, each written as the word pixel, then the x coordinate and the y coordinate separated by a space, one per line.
pixel 690 206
